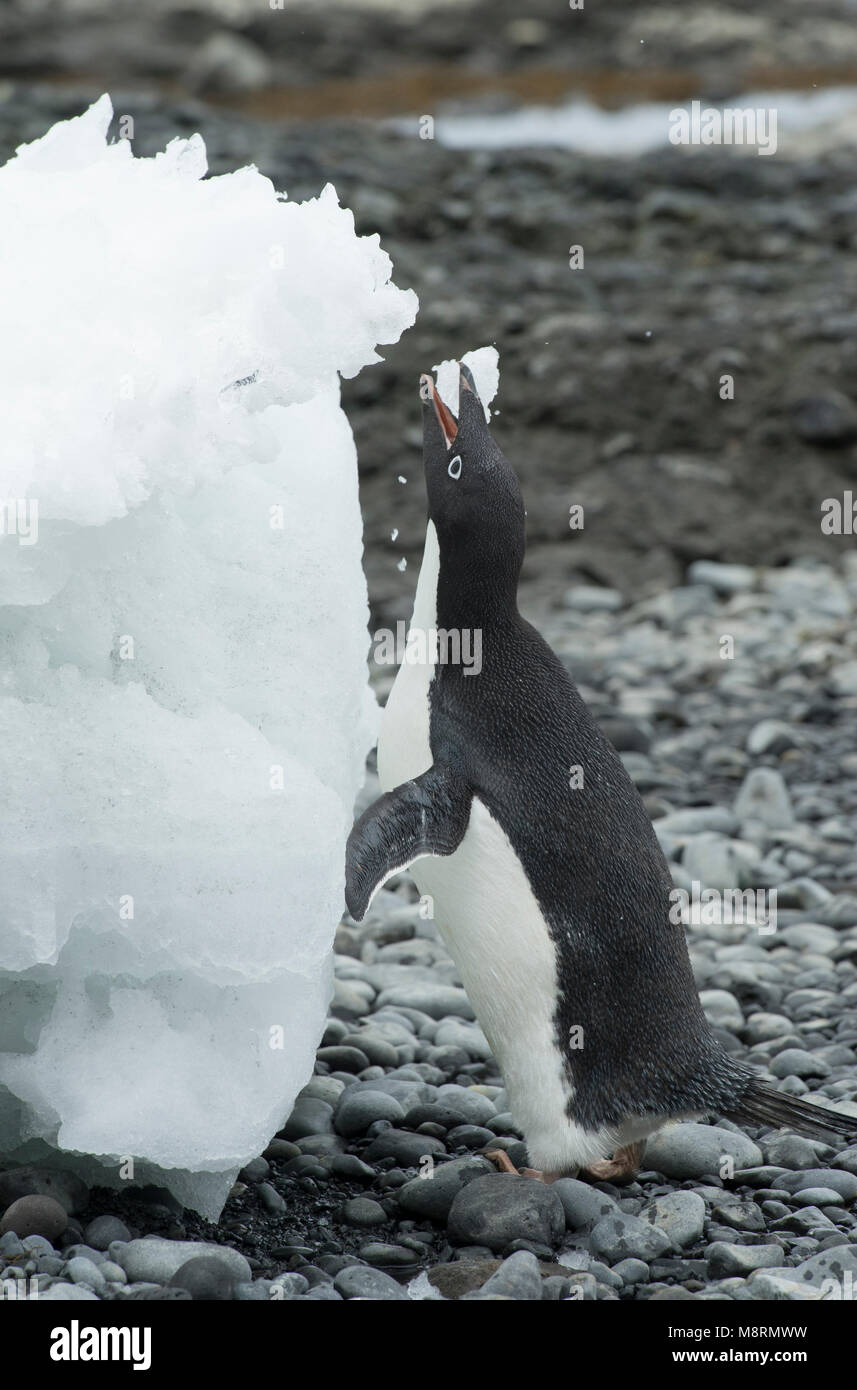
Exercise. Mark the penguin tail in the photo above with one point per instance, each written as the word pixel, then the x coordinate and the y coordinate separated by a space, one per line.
pixel 762 1105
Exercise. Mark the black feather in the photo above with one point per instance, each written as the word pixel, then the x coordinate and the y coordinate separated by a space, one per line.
pixel 761 1105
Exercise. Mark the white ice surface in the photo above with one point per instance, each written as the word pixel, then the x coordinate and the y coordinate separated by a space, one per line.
pixel 484 363
pixel 183 690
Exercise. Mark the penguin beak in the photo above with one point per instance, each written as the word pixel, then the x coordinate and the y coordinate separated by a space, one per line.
pixel 445 417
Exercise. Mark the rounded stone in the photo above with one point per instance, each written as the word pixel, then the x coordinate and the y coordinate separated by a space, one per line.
pixel 104 1229
pixel 363 1211
pixel 35 1216
pixel 356 1112
pixel 205 1278
pixel 501 1207
pixel 359 1281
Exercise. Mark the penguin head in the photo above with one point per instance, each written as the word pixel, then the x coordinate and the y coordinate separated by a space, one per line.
pixel 474 499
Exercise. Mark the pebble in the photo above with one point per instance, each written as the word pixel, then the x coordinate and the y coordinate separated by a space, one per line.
pixel 155 1260
pixel 432 1196
pixel 500 1207
pixel 205 1277
pixel 36 1215
pixel 582 1203
pixel 694 1150
pixel 363 1211
pixel 764 797
pixel 619 1236
pixel 355 1113
pixel 726 1259
pixel 680 1215
pixel 518 1277
pixel 101 1232
pixel 360 1281
pixel 83 1271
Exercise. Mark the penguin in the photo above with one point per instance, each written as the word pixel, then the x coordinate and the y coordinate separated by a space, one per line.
pixel 516 816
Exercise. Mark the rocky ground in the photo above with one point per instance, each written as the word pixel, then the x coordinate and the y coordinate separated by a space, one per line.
pixel 749 770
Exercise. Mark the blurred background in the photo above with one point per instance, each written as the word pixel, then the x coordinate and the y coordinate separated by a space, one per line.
pixel 548 129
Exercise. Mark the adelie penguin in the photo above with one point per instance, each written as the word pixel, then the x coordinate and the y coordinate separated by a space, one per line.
pixel 552 897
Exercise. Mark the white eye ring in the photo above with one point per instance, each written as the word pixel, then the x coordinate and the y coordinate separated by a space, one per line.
pixel 454 469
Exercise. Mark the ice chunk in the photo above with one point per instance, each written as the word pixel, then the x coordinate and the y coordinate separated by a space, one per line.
pixel 183 688
pixel 483 363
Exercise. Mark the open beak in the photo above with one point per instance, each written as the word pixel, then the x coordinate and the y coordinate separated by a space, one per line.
pixel 445 417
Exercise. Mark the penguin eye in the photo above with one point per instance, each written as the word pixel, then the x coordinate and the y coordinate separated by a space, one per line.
pixel 454 469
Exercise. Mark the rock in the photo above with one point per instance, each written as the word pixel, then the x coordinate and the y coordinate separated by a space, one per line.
pixel 392 1256
pixel 741 1216
pixel 205 1278
pixel 726 1259
pixel 67 1293
pixel 828 419
pixel 680 1215
pixel 810 936
pixel 840 1181
pixel 472 1106
pixel 65 1188
pixel 583 1204
pixel 621 1236
pixel 310 1116
pixel 355 1113
pixel 518 1277
pixel 591 598
pixel 270 1198
pixel 770 736
pixel 763 1027
pixel 794 1061
pixel 693 820
pixel 499 1208
pixel 343 1058
pixel 432 1196
pixel 105 1229
pixel 632 1271
pixel 363 1211
pixel 359 1281
pixel 837 1264
pixel 694 1150
pixel 375 1046
pixel 228 64
pixel 791 1151
pixel 725 579
pixel 80 1270
pixel 155 1260
pixel 779 1286
pixel 255 1171
pixel 722 1009
pixel 453 1032
pixel 819 1197
pixel 764 797
pixel 806 1221
pixel 438 1001
pixel 409 1150
pixel 35 1216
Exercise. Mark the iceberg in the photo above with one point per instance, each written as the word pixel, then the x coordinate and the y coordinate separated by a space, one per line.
pixel 184 703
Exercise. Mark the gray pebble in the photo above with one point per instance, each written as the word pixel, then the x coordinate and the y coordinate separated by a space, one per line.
pixel 359 1281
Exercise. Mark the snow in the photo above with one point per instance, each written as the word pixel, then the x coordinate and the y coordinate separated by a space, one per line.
pixel 632 130
pixel 484 363
pixel 184 687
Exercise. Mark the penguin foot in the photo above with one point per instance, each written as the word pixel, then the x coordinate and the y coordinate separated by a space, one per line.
pixel 505 1165
pixel 622 1167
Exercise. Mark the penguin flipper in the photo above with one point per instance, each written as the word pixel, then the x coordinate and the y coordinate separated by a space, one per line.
pixel 427 816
